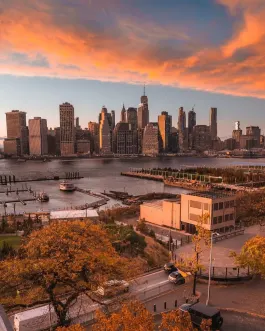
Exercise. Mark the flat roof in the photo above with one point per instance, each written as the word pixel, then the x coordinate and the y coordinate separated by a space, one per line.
pixel 210 195
pixel 70 214
pixel 206 310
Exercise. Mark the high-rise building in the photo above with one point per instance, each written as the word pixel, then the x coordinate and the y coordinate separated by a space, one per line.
pixel 112 120
pixel 191 120
pixel 93 128
pixel 182 132
pixel 124 139
pixel 236 134
pixel 17 129
pixel 77 125
pixel 104 133
pixel 164 126
pixel 201 137
pixel 213 123
pixel 38 141
pixel 150 139
pixel 131 117
pixel 123 114
pixel 143 112
pixel 67 129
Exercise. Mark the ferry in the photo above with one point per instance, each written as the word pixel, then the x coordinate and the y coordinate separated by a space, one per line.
pixel 43 197
pixel 66 186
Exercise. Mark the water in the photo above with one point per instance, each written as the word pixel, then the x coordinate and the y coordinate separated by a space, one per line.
pixel 100 175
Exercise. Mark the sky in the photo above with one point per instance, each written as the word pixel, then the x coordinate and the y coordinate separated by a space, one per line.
pixel 207 53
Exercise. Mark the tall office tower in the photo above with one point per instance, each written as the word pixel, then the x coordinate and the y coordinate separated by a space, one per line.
pixel 38 141
pixel 164 126
pixel 93 128
pixel 104 133
pixel 131 117
pixel 213 123
pixel 67 132
pixel 77 125
pixel 150 139
pixel 112 113
pixel 123 114
pixel 17 133
pixel 124 139
pixel 191 120
pixel 143 112
pixel 201 137
pixel 236 134
pixel 182 132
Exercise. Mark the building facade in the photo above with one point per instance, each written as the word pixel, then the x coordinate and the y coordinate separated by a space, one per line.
pixel 124 139
pixel 123 114
pixel 213 123
pixel 201 137
pixel 38 136
pixel 164 126
pixel 150 139
pixel 105 139
pixel 67 129
pixel 17 129
pixel 182 131
pixel 131 117
pixel 93 128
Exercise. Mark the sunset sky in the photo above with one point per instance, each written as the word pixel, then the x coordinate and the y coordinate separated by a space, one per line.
pixel 100 52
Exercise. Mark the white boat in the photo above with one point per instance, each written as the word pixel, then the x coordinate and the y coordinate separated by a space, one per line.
pixel 43 197
pixel 67 186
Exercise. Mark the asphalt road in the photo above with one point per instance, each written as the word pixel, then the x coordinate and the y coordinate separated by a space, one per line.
pixel 242 322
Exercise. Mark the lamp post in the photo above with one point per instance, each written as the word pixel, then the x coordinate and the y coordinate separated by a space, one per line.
pixel 210 266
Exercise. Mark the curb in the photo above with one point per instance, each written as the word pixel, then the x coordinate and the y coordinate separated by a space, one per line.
pixel 240 311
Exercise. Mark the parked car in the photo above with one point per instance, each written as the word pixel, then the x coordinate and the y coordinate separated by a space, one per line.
pixel 176 277
pixel 113 288
pixel 199 312
pixel 170 267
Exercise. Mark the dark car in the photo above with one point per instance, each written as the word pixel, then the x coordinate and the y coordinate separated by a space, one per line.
pixel 170 267
pixel 176 277
pixel 199 312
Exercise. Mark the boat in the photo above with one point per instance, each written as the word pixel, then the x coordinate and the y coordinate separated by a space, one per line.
pixel 67 186
pixel 43 197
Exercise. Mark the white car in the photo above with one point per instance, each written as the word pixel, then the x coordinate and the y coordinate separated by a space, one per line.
pixel 113 288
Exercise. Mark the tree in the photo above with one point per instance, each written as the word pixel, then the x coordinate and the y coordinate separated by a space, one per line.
pixel 200 239
pixel 133 316
pixel 252 255
pixel 176 320
pixel 57 264
pixel 6 251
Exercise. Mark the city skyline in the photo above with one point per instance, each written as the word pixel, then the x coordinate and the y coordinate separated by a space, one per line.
pixel 93 53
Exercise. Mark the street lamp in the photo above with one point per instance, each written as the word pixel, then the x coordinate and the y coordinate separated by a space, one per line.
pixel 213 234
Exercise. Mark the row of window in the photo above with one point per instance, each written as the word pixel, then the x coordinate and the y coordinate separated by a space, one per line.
pixel 199 205
pixel 222 205
pixel 226 218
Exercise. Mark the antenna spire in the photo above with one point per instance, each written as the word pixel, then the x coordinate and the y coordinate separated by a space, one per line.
pixel 144 89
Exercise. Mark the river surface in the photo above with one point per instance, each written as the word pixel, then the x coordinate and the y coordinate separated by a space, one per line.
pixel 100 175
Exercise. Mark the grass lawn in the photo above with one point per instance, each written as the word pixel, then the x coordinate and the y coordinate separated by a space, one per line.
pixel 12 240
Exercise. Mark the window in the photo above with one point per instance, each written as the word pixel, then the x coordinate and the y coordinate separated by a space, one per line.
pixel 232 204
pixel 227 204
pixel 231 217
pixel 227 217
pixel 206 206
pixel 221 205
pixel 215 221
pixel 194 217
pixel 195 204
pixel 215 206
pixel 220 219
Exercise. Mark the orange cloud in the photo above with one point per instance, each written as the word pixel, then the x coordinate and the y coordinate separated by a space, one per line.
pixel 39 40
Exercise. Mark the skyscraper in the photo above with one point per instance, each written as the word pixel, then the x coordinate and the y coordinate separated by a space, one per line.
pixel 123 114
pixel 131 117
pixel 150 139
pixel 17 129
pixel 67 129
pixel 143 112
pixel 93 128
pixel 104 133
pixel 213 123
pixel 124 139
pixel 183 136
pixel 191 120
pixel 38 141
pixel 112 119
pixel 164 125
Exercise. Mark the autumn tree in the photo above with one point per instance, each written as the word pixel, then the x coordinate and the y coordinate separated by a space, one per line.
pixel 200 240
pixel 252 255
pixel 57 264
pixel 133 316
pixel 76 327
pixel 176 320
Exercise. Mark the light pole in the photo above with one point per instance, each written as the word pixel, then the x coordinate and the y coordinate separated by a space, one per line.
pixel 210 266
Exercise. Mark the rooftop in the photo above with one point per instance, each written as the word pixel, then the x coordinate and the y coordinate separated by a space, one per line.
pixel 206 310
pixel 72 214
pixel 211 195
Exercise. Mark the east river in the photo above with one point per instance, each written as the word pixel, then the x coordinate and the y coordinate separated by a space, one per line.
pixel 99 175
